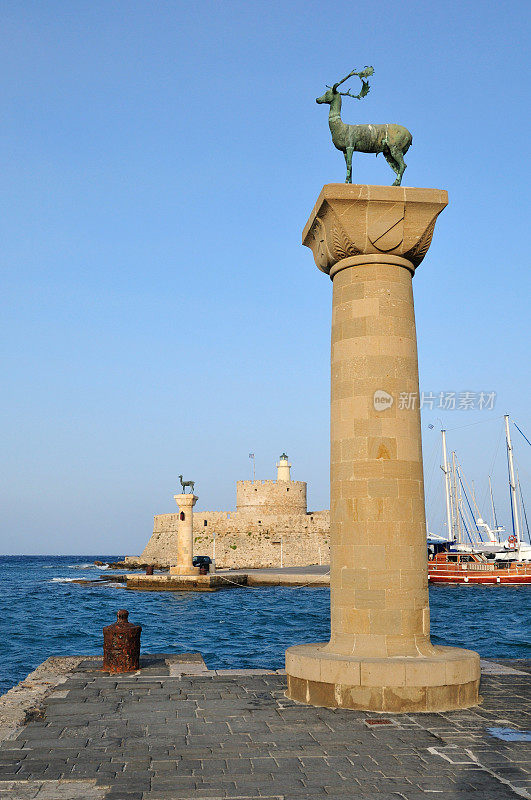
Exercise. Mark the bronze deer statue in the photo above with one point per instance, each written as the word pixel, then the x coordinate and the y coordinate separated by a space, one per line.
pixel 184 484
pixel 391 140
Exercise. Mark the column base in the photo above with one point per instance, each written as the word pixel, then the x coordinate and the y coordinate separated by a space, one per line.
pixel 184 570
pixel 445 681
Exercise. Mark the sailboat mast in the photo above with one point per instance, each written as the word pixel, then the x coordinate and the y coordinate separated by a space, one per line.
pixel 522 505
pixel 494 520
pixel 457 526
pixel 460 520
pixel 447 485
pixel 512 484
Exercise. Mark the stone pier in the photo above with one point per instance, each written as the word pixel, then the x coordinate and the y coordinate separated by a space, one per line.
pixel 176 729
pixel 185 536
pixel 370 240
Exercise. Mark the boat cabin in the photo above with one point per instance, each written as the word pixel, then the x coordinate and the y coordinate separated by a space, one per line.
pixel 447 557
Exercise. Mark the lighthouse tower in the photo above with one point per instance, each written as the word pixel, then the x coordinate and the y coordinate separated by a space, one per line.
pixel 283 468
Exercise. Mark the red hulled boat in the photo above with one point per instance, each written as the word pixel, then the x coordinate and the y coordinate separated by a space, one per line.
pixel 474 568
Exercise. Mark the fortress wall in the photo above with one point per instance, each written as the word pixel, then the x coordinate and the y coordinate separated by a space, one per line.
pixel 274 497
pixel 242 541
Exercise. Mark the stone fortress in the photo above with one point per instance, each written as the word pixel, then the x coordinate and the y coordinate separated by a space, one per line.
pixel 271 526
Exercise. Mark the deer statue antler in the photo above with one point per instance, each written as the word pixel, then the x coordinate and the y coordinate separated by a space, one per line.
pixel 365 73
pixel 365 88
pixel 334 87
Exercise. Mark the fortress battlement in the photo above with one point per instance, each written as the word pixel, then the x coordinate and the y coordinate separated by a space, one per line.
pixel 274 497
pixel 257 483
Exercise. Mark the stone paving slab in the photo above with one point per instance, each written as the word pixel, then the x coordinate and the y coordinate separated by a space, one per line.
pixel 489 667
pixel 163 733
pixel 51 790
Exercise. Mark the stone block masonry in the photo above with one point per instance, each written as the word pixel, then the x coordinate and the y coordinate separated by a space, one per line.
pixel 272 497
pixel 246 541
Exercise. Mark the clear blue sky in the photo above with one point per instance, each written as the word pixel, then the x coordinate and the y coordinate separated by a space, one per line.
pixel 160 316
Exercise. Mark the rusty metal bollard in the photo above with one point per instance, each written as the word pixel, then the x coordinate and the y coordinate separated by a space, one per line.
pixel 121 645
pixel 149 569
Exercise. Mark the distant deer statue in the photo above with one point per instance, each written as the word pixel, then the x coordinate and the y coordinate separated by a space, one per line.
pixel 391 140
pixel 184 484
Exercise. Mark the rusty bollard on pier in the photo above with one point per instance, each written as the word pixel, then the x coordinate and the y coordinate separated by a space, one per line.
pixel 121 645
pixel 149 569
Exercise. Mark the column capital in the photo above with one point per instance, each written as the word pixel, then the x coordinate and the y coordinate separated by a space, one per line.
pixel 185 500
pixel 356 219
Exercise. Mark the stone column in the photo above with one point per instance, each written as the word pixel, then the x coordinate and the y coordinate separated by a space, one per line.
pixel 185 536
pixel 370 239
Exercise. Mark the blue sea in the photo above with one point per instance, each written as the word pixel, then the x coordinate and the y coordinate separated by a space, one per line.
pixel 43 613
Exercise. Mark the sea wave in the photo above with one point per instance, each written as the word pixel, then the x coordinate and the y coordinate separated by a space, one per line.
pixel 63 580
pixel 89 565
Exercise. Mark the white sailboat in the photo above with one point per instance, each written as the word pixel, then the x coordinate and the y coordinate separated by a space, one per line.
pixel 490 541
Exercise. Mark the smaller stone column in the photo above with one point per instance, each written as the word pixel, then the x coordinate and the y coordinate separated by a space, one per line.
pixel 185 536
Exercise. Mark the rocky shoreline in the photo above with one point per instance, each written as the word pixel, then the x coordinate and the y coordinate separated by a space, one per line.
pixel 132 565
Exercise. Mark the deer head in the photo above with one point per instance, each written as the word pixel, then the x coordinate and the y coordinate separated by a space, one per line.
pixel 331 92
pixel 327 97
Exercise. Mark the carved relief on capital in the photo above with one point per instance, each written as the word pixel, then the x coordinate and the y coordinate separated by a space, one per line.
pixel 385 227
pixel 329 242
pixel 419 250
pixel 351 220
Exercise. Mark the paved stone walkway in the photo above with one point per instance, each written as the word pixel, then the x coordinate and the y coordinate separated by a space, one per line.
pixel 175 730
